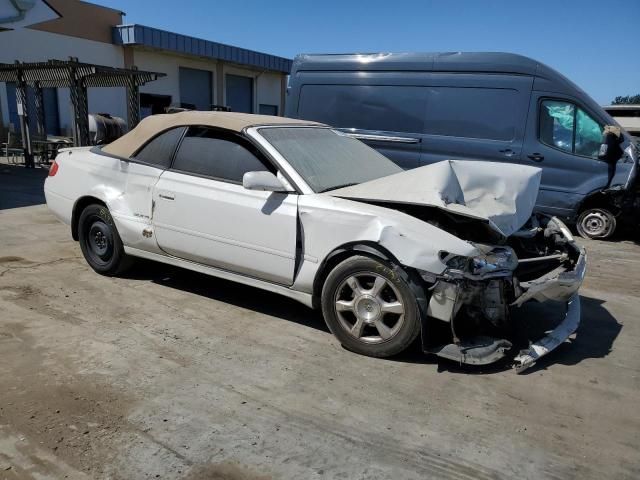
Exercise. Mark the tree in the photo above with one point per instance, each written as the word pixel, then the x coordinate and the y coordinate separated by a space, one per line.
pixel 626 100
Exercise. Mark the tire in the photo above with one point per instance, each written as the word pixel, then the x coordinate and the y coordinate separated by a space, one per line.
pixel 596 223
pixel 370 308
pixel 100 242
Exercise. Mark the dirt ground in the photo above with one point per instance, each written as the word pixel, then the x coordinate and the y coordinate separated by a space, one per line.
pixel 170 374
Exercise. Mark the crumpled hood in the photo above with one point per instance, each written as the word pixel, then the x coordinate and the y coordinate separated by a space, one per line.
pixel 503 194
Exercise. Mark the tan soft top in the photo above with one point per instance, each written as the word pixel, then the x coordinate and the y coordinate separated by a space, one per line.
pixel 148 128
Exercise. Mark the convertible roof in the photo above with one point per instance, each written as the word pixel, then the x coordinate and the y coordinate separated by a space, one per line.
pixel 148 128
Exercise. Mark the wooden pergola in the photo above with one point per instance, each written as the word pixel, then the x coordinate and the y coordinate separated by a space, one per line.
pixel 77 76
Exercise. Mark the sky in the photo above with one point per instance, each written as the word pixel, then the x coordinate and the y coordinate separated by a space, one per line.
pixel 592 42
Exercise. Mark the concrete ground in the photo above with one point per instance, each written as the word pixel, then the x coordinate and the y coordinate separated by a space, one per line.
pixel 169 374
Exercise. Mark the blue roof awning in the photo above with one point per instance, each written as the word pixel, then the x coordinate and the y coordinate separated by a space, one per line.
pixel 174 42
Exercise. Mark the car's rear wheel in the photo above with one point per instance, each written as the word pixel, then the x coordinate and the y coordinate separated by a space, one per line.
pixel 99 241
pixel 370 307
pixel 596 223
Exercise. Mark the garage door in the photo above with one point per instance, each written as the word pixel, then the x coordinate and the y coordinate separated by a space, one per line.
pixel 239 93
pixel 50 98
pixel 195 88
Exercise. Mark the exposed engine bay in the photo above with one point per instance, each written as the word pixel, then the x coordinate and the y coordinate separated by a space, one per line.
pixel 470 305
pixel 475 296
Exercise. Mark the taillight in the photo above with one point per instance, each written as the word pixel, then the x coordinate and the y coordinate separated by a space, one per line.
pixel 53 169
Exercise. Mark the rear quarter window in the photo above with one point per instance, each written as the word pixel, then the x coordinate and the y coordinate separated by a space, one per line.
pixel 159 150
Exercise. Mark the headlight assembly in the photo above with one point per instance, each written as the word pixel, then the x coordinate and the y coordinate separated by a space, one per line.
pixel 492 260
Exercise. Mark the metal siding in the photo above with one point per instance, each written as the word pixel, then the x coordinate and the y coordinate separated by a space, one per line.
pixel 152 37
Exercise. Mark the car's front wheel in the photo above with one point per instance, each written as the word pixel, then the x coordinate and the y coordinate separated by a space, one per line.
pixel 370 307
pixel 99 241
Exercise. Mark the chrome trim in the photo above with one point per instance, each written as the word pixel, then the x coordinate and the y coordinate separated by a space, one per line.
pixel 380 138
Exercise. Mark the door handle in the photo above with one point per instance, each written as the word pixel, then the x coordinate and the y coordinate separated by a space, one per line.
pixel 507 152
pixel 536 157
pixel 167 195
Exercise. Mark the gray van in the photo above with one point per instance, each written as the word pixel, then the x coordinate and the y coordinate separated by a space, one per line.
pixel 419 108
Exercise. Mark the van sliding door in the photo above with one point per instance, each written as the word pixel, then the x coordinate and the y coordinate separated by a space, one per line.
pixel 475 116
pixel 389 118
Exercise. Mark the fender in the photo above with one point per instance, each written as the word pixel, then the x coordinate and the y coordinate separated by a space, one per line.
pixel 342 252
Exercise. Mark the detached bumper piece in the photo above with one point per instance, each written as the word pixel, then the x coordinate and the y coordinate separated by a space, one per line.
pixel 527 358
pixel 559 286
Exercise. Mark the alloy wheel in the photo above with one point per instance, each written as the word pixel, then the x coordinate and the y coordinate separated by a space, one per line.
pixel 369 307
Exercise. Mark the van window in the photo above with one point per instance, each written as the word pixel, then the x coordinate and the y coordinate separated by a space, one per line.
pixel 556 124
pixel 588 135
pixel 569 128
pixel 367 107
pixel 487 113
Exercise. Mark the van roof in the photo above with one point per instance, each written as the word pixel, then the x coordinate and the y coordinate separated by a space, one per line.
pixel 420 61
pixel 546 78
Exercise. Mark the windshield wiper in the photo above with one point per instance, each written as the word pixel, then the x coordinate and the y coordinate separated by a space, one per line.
pixel 344 185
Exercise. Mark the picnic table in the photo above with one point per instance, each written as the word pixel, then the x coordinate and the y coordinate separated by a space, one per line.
pixel 47 149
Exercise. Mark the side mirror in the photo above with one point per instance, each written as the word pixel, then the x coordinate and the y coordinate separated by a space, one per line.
pixel 263 181
pixel 610 150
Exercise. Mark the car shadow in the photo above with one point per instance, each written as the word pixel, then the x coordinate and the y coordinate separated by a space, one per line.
pixel 226 291
pixel 21 187
pixel 595 337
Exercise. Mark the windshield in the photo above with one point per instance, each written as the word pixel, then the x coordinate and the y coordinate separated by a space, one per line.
pixel 327 159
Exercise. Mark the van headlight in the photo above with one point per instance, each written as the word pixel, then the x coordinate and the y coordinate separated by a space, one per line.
pixel 493 259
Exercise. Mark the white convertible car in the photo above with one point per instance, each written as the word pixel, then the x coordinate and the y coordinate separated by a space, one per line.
pixel 447 251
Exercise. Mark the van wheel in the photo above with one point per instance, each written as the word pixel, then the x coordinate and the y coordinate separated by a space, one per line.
pixel 100 243
pixel 596 223
pixel 370 307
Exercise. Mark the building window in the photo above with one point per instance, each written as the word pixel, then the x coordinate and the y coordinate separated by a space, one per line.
pixel 151 104
pixel 266 109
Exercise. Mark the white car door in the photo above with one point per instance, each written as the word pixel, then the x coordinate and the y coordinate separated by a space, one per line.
pixel 132 208
pixel 202 212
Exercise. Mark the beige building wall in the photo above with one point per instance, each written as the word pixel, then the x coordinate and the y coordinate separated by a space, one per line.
pixel 36 46
pixel 266 85
pixel 157 61
pixel 85 32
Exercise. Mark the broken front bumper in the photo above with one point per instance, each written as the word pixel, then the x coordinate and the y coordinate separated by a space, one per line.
pixel 557 285
pixel 527 358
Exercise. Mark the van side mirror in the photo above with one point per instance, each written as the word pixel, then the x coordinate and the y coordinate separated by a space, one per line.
pixel 610 150
pixel 262 181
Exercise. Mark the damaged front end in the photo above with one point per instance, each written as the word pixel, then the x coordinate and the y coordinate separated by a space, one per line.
pixel 473 300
